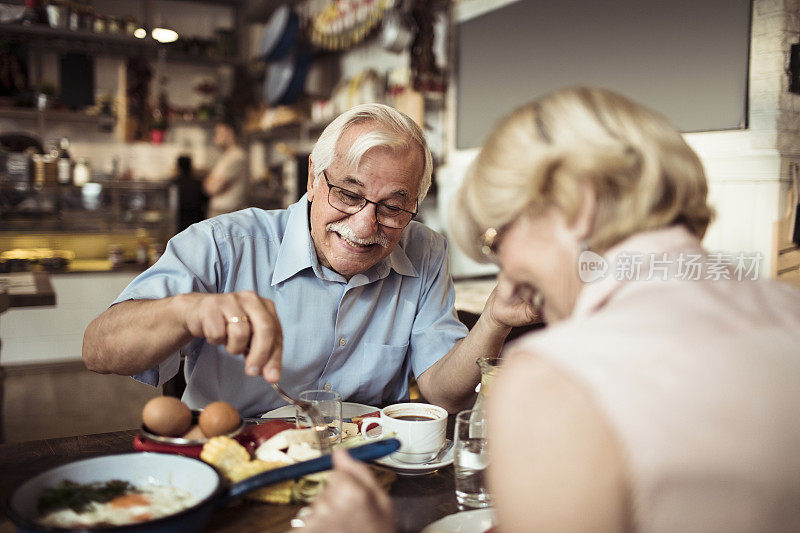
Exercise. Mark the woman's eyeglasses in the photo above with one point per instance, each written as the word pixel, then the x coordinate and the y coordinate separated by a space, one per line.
pixel 350 203
pixel 489 242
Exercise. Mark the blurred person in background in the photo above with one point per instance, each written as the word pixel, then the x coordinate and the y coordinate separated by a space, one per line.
pixel 226 184
pixel 192 201
pixel 658 399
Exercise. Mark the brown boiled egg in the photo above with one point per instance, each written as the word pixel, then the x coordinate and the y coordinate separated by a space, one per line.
pixel 218 418
pixel 167 416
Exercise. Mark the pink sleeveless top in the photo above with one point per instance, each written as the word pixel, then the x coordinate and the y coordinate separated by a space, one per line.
pixel 700 380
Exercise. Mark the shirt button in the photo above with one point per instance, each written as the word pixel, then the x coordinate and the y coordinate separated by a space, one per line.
pixel 342 341
pixel 327 386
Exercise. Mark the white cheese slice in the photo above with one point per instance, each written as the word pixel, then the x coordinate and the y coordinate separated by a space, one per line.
pixel 287 437
pixel 271 455
pixel 302 452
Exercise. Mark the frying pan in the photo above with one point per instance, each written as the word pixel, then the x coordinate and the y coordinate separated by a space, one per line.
pixel 191 475
pixel 279 34
pixel 286 78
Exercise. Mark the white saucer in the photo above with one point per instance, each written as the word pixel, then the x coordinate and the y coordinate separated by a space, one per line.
pixel 475 521
pixel 349 410
pixel 408 469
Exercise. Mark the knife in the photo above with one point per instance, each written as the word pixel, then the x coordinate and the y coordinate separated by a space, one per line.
pixel 259 420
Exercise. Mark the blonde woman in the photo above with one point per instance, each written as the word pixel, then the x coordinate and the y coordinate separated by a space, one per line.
pixel 664 395
pixel 660 398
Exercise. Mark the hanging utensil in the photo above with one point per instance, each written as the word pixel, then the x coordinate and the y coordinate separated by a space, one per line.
pixel 279 34
pixel 285 78
pixel 396 33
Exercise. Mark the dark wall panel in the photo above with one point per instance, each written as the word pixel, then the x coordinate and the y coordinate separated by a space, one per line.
pixel 686 58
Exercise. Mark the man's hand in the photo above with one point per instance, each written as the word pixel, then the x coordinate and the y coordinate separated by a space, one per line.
pixel 507 309
pixel 245 324
pixel 352 501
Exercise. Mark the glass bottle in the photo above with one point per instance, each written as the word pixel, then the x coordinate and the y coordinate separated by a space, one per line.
pixel 142 247
pixel 64 171
pixel 33 13
pixel 81 174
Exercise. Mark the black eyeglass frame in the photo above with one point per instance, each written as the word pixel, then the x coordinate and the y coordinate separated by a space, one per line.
pixel 365 201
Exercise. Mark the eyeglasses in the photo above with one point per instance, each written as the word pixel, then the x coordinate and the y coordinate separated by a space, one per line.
pixel 490 240
pixel 350 203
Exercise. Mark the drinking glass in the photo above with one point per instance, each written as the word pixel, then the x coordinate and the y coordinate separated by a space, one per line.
pixel 489 367
pixel 329 406
pixel 471 459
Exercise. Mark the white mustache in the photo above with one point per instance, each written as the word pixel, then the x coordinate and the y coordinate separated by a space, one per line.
pixel 344 230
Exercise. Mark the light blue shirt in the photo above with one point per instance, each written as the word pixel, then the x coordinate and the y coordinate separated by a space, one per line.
pixel 364 337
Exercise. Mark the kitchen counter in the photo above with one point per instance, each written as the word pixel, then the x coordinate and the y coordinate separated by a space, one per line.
pixel 27 289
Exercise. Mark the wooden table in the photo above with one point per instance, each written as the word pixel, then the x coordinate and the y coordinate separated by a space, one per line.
pixel 418 500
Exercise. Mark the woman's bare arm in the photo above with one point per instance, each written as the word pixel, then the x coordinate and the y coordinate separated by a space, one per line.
pixel 555 462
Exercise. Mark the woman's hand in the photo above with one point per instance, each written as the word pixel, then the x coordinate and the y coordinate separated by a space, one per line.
pixel 352 501
pixel 507 307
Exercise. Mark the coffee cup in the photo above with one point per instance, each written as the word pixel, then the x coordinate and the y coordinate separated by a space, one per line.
pixel 420 428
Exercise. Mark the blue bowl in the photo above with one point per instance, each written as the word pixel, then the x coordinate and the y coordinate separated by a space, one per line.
pixel 191 475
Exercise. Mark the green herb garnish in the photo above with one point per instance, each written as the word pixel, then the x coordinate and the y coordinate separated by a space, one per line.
pixel 78 496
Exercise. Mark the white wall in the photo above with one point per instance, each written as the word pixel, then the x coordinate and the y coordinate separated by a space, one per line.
pixel 747 169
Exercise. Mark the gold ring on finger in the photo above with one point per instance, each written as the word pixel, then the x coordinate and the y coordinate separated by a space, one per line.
pixel 238 320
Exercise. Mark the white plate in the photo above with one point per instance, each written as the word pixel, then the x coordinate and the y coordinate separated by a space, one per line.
pixel 349 410
pixel 408 469
pixel 476 521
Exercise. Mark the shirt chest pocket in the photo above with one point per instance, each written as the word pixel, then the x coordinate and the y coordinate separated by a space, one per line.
pixel 381 368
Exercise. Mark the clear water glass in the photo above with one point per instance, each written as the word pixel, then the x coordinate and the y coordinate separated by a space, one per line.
pixel 329 407
pixel 471 460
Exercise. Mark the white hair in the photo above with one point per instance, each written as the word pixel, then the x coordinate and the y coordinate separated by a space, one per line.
pixel 394 130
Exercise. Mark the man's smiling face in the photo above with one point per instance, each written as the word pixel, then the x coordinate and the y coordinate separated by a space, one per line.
pixel 351 244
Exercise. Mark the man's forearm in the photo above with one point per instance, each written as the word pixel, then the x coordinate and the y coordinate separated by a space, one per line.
pixel 451 382
pixel 135 335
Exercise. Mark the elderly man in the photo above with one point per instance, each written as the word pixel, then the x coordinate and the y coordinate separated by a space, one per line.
pixel 340 291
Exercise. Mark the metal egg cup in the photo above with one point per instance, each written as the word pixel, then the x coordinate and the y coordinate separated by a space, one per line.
pixel 180 441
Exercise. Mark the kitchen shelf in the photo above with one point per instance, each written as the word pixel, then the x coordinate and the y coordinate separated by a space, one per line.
pixel 78 40
pixel 297 131
pixel 22 113
pixel 122 206
pixel 53 39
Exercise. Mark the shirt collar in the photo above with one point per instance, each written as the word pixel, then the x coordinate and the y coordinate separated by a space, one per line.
pixel 671 240
pixel 297 252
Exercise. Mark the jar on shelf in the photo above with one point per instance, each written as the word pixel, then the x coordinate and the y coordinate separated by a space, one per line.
pixel 142 247
pixel 114 24
pixel 100 24
pixel 115 256
pixel 130 26
pixel 82 173
pixel 74 16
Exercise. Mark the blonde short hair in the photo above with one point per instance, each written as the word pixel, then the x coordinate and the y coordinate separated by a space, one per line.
pixel 541 155
pixel 393 129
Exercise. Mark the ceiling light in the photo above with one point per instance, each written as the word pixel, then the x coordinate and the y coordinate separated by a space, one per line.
pixel 163 35
pixel 140 33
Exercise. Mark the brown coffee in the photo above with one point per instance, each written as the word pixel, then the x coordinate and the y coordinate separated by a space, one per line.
pixel 414 418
